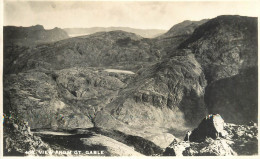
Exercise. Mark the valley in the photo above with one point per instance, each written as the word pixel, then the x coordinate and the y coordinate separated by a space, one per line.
pixel 126 95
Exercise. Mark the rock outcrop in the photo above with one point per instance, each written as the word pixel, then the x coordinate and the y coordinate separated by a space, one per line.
pixel 226 48
pixel 18 139
pixel 209 147
pixel 224 45
pixel 235 98
pixel 167 95
pixel 203 141
pixel 64 99
pixel 211 126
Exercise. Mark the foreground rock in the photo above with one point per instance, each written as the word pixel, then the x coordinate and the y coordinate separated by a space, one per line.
pixel 204 141
pixel 211 126
pixel 18 139
pixel 209 147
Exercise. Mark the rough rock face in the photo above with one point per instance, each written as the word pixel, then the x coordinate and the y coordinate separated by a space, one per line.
pixel 209 147
pixel 18 140
pixel 168 94
pixel 226 48
pixel 211 126
pixel 116 49
pixel 236 97
pixel 32 35
pixel 224 45
pixel 64 99
pixel 244 138
pixel 234 140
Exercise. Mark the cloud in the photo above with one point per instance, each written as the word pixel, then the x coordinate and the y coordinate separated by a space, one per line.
pixel 131 14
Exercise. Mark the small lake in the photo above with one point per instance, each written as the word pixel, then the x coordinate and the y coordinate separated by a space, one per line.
pixel 119 71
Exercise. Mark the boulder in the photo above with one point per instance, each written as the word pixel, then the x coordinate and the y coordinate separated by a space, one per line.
pixel 211 126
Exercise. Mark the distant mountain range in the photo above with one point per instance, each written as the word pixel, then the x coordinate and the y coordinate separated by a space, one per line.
pixel 32 35
pixel 146 33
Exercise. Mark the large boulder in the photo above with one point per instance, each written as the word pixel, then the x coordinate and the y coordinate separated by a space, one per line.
pixel 211 126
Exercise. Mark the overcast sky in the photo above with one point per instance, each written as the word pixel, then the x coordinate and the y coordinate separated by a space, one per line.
pixel 146 15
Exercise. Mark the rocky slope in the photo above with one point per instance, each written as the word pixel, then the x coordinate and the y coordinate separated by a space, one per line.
pixel 224 45
pixel 233 140
pixel 235 98
pixel 71 83
pixel 64 99
pixel 167 95
pixel 32 35
pixel 226 48
pixel 171 93
pixel 18 139
pixel 116 49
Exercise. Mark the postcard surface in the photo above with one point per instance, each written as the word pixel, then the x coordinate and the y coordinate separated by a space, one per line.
pixel 129 78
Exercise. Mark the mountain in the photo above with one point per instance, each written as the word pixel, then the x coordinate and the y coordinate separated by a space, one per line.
pixel 64 99
pixel 184 28
pixel 163 97
pixel 144 93
pixel 32 35
pixel 146 33
pixel 224 45
pixel 116 49
pixel 179 91
pixel 169 41
pixel 226 48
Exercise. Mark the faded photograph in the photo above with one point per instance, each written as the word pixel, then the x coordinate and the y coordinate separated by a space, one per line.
pixel 113 78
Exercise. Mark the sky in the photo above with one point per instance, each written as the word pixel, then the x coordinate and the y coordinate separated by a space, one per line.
pixel 135 14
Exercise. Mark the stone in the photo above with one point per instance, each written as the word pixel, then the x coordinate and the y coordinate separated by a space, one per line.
pixel 211 126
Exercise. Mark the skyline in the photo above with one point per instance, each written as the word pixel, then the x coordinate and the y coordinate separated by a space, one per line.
pixel 141 15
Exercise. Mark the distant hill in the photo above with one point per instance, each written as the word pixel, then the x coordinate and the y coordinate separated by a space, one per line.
pixel 146 33
pixel 184 28
pixel 116 49
pixel 169 41
pixel 32 35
